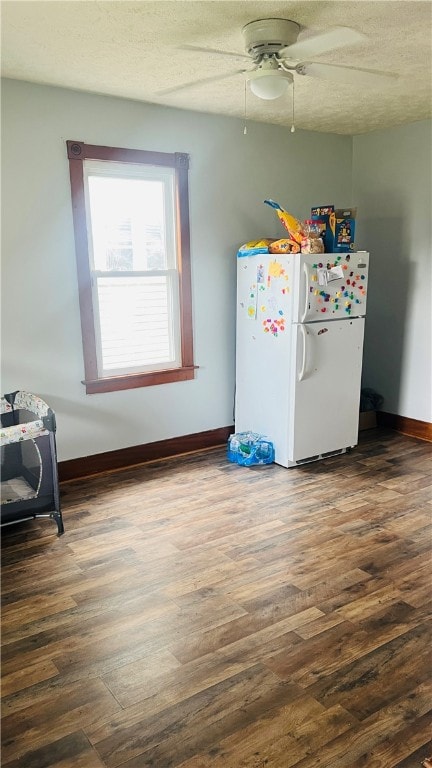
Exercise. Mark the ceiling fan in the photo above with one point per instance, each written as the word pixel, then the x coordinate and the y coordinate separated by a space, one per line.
pixel 277 55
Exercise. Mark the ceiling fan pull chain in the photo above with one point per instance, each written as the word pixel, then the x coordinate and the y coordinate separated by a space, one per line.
pixel 292 122
pixel 245 109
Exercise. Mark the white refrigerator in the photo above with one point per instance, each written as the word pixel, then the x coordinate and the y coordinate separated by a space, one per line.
pixel 299 346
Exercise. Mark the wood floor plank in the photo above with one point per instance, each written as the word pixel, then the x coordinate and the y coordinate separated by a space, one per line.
pixel 26 677
pixel 267 741
pixel 32 608
pixel 231 634
pixel 71 751
pixel 200 614
pixel 388 753
pixel 421 757
pixel 39 725
pixel 195 723
pixel 344 750
pixel 368 683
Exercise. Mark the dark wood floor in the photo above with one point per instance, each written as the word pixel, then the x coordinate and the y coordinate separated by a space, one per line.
pixel 204 615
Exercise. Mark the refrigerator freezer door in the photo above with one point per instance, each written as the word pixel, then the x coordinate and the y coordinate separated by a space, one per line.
pixel 330 286
pixel 263 348
pixel 326 368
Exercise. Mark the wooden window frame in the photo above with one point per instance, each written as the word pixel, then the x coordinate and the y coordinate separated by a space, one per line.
pixel 77 152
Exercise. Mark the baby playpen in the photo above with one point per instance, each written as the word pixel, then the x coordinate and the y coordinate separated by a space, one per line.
pixel 29 478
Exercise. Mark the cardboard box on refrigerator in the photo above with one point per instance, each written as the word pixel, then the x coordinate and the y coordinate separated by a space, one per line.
pixel 337 227
pixel 344 230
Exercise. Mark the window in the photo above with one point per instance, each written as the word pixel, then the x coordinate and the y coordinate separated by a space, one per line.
pixel 131 223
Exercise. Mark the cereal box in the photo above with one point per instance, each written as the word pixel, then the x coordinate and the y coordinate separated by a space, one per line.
pixel 337 227
pixel 344 229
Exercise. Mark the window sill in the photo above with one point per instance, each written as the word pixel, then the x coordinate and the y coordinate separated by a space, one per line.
pixel 133 381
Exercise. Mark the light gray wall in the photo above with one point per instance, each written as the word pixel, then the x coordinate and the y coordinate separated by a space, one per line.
pixel 230 175
pixel 392 172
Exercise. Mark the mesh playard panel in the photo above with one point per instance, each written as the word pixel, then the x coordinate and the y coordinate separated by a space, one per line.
pixel 29 485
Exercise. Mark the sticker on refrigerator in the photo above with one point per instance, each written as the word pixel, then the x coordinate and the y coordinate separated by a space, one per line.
pixel 276 269
pixel 253 302
pixel 277 278
pixel 274 326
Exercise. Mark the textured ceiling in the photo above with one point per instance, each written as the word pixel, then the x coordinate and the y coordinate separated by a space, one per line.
pixel 133 50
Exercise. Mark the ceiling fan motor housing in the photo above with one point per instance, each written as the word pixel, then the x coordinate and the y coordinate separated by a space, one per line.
pixel 269 36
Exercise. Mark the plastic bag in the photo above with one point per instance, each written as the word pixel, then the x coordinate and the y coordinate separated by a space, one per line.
pixel 291 224
pixel 254 247
pixel 249 449
pixel 370 400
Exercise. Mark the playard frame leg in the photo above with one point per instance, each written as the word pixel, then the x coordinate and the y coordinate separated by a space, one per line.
pixel 57 516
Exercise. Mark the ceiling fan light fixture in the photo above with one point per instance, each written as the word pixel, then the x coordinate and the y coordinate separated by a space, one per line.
pixel 269 83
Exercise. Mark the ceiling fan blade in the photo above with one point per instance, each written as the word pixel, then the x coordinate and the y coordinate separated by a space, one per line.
pixel 213 50
pixel 338 37
pixel 349 75
pixel 203 81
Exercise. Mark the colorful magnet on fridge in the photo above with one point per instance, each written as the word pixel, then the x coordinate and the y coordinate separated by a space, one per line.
pixel 348 282
pixel 324 309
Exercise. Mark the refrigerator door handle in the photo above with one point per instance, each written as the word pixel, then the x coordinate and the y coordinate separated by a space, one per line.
pixel 306 294
pixel 302 371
